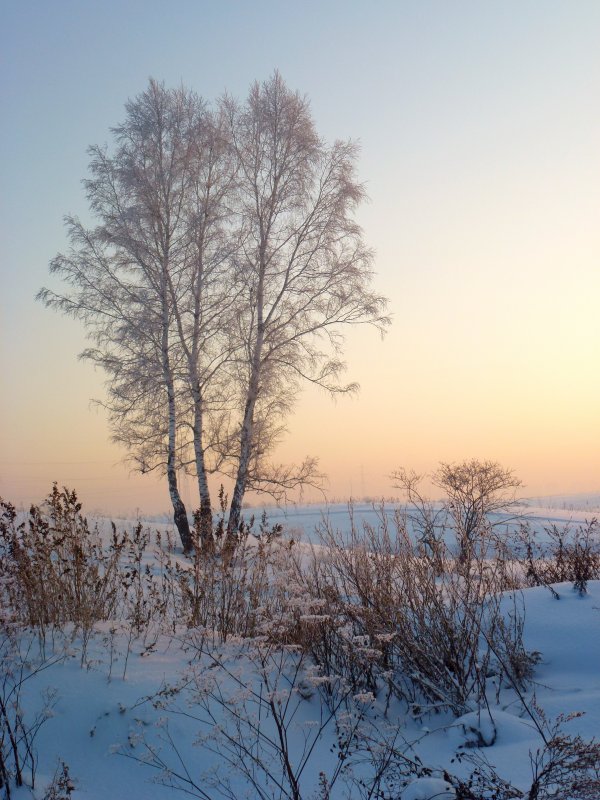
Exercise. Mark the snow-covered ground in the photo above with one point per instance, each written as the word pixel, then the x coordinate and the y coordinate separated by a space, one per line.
pixel 538 513
pixel 115 718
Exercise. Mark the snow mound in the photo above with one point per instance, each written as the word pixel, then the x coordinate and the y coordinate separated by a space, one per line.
pixel 429 789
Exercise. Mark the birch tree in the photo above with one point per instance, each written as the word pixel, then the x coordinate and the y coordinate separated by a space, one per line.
pixel 128 275
pixel 221 273
pixel 304 270
pixel 203 311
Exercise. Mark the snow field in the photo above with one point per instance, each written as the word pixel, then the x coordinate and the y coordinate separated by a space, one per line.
pixel 147 717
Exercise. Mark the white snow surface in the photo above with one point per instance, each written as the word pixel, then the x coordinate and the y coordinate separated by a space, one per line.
pixel 98 725
pixel 428 789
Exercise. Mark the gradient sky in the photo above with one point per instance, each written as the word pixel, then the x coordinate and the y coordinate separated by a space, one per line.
pixel 480 133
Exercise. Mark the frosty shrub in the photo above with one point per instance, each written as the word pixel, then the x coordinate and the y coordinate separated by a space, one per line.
pixel 568 554
pixel 53 569
pixel 563 767
pixel 62 785
pixel 233 591
pixel 252 702
pixel 386 613
pixel 473 494
pixel 374 611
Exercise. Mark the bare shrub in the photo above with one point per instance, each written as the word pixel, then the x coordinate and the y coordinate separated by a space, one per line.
pixel 55 570
pixel 18 731
pixel 473 491
pixel 62 785
pixel 569 554
pixel 58 575
pixel 564 767
pixel 249 700
pixel 224 591
pixel 384 612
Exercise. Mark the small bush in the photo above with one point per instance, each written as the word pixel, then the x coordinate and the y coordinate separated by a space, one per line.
pixel 19 661
pixel 54 570
pixel 62 786
pixel 570 554
pixel 383 613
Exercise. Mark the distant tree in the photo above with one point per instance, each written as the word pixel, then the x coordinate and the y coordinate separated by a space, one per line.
pixel 304 272
pixel 472 491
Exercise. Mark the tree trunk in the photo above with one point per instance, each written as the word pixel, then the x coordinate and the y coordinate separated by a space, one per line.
pixel 235 510
pixel 179 513
pixel 179 510
pixel 206 520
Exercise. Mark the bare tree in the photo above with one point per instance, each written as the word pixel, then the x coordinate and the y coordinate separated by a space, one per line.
pixel 303 268
pixel 475 489
pixel 126 273
pixel 203 311
pixel 223 267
